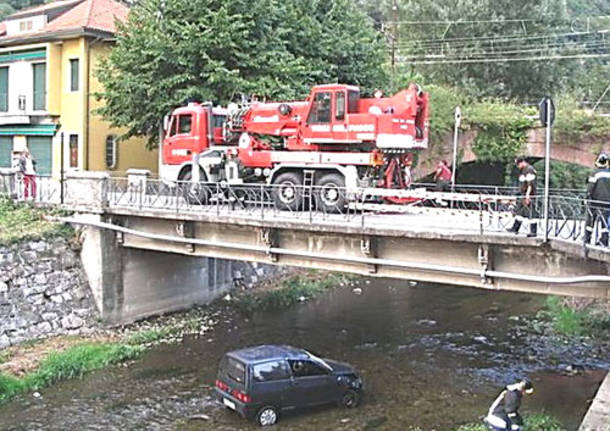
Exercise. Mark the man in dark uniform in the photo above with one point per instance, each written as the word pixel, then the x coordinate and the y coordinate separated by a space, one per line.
pixel 504 412
pixel 598 200
pixel 527 196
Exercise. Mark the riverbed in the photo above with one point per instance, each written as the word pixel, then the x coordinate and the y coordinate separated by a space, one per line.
pixel 432 357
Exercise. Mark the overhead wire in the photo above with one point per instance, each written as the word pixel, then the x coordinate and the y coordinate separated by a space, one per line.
pixel 507 59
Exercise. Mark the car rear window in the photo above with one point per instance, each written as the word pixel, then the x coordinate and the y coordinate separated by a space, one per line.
pixel 270 371
pixel 233 370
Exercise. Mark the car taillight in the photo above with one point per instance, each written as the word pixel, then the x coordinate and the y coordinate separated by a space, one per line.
pixel 222 385
pixel 244 398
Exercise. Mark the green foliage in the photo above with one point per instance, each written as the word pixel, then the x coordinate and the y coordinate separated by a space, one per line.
pixel 9 387
pixel 572 123
pixel 501 129
pixel 212 50
pixel 5 10
pixel 563 175
pixel 293 290
pixel 78 360
pixel 20 222
pixel 535 422
pixel 571 322
pixel 73 362
pixel 150 336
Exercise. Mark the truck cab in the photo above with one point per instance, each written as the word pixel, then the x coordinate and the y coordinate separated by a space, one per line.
pixel 189 130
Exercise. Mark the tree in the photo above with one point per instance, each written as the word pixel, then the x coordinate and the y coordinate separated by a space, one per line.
pixel 213 50
pixel 5 10
pixel 482 29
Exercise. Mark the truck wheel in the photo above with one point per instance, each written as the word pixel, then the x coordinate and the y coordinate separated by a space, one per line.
pixel 195 194
pixel 330 193
pixel 287 191
pixel 267 416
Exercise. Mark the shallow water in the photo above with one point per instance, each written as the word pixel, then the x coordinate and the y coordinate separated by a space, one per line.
pixel 431 356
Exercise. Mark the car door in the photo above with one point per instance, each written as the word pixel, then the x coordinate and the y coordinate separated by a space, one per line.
pixel 270 383
pixel 312 384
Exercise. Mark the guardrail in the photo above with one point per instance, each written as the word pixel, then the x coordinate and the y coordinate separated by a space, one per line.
pixel 471 208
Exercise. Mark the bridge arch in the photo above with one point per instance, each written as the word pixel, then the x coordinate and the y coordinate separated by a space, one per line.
pixel 583 152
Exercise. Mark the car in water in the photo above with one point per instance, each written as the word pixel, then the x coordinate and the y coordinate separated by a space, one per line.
pixel 262 381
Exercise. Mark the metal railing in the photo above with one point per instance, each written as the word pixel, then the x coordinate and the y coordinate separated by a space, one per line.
pixel 46 190
pixel 473 209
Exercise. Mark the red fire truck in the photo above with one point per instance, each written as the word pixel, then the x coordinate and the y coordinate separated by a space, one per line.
pixel 335 141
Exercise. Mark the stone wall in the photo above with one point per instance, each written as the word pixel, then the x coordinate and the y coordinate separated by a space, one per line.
pixel 43 292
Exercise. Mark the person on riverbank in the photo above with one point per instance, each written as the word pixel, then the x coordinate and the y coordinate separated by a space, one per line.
pixel 526 205
pixel 504 414
pixel 598 200
pixel 28 171
pixel 442 176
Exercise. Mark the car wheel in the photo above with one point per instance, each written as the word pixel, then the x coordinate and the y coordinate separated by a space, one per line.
pixel 350 399
pixel 267 416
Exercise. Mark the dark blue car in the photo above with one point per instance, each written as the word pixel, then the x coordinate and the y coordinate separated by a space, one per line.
pixel 259 382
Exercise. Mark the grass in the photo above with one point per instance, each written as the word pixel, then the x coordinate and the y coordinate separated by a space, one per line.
pixel 19 221
pixel 535 422
pixel 569 321
pixel 71 363
pixel 292 290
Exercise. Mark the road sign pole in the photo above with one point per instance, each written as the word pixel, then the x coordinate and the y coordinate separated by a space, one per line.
pixel 547 167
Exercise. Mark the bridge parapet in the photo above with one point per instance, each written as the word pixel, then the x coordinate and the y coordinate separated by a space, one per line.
pixel 87 191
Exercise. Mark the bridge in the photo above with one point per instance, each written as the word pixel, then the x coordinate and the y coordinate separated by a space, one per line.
pixel 451 238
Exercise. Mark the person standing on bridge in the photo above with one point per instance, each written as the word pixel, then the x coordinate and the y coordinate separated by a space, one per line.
pixel 442 176
pixel 526 204
pixel 504 412
pixel 598 200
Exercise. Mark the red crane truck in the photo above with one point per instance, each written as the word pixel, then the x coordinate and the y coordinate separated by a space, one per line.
pixel 335 141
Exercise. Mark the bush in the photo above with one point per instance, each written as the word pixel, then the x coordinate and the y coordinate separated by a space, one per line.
pixel 292 290
pixel 20 222
pixel 68 364
pixel 570 321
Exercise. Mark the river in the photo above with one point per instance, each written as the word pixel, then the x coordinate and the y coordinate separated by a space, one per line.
pixel 432 357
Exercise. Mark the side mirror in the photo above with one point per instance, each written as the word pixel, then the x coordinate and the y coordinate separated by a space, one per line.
pixel 165 123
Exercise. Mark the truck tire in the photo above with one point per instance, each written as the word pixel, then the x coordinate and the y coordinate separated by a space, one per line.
pixel 287 192
pixel 330 193
pixel 194 196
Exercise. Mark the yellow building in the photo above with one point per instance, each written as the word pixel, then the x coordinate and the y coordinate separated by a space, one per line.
pixel 48 58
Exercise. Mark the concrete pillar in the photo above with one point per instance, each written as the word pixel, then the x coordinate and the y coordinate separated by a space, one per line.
pixel 128 284
pixel 87 191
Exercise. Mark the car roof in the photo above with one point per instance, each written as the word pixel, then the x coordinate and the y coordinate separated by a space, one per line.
pixel 268 352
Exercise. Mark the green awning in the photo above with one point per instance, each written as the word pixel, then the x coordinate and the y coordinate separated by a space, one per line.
pixel 28 55
pixel 29 130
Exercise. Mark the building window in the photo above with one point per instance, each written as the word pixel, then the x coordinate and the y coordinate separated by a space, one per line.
pixel 40 86
pixel 111 155
pixel 3 89
pixel 74 74
pixel 25 25
pixel 73 146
